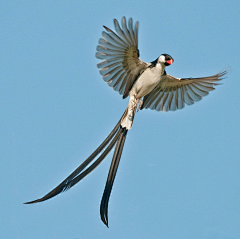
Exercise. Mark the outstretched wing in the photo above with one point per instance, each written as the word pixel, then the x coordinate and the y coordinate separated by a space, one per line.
pixel 173 93
pixel 121 65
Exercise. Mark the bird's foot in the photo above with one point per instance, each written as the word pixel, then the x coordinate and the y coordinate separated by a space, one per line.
pixel 132 107
pixel 140 103
pixel 131 115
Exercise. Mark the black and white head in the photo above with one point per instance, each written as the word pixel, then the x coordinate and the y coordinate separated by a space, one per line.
pixel 165 59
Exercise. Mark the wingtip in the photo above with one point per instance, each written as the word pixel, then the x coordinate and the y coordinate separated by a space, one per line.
pixel 107 29
pixel 225 71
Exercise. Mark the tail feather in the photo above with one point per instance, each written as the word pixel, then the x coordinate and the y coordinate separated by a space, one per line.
pixel 67 184
pixel 116 137
pixel 111 175
pixel 75 176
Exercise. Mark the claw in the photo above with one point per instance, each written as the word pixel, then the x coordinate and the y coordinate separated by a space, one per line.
pixel 140 103
pixel 131 115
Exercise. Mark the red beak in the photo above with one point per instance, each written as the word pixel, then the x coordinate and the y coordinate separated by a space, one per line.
pixel 170 62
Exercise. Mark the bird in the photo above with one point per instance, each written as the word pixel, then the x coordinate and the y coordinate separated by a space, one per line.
pixel 147 85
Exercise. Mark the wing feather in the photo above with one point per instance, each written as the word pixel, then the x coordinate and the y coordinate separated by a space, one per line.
pixel 173 93
pixel 120 66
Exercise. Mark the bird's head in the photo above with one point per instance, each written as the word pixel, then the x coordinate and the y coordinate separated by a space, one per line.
pixel 165 59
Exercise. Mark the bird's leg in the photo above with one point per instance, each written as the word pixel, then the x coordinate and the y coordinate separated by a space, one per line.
pixel 133 106
pixel 127 120
pixel 133 102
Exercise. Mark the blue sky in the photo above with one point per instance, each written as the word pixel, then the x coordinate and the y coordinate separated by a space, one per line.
pixel 179 172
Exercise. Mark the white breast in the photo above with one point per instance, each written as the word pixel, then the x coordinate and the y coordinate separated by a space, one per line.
pixel 147 81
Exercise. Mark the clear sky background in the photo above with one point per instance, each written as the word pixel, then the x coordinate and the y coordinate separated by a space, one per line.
pixel 179 176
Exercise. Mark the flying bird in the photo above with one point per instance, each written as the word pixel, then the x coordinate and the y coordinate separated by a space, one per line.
pixel 146 84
